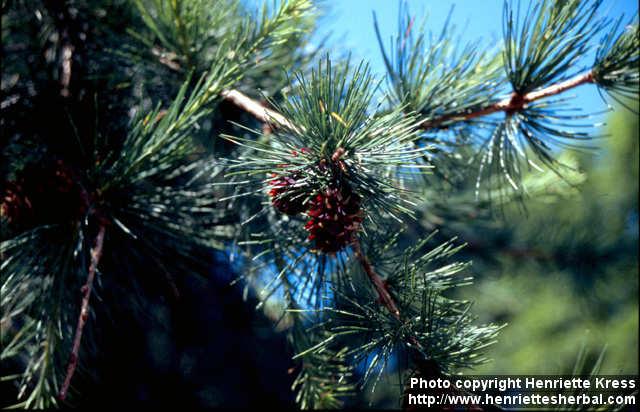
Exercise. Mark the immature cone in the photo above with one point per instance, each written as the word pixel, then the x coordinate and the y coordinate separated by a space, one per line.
pixel 284 196
pixel 335 218
pixel 42 193
pixel 15 205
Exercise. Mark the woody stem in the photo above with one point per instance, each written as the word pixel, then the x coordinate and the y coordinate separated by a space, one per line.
pixel 376 280
pixel 96 253
pixel 513 103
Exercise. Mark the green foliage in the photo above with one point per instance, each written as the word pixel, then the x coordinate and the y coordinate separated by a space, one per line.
pixel 187 35
pixel 436 77
pixel 444 327
pixel 158 141
pixel 324 381
pixel 544 46
pixel 190 30
pixel 151 187
pixel 139 121
pixel 434 327
pixel 615 68
pixel 34 281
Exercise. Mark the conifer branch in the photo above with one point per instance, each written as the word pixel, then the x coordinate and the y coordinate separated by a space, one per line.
pixel 515 102
pixel 96 253
pixel 427 367
pixel 331 161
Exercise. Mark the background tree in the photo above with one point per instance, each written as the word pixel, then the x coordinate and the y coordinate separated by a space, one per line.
pixel 153 147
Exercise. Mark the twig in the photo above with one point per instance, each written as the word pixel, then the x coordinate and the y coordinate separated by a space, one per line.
pixel 513 103
pixel 96 253
pixel 169 59
pixel 378 283
pixel 269 117
pixel 380 286
pixel 69 32
pixel 263 114
pixel 65 76
pixel 338 154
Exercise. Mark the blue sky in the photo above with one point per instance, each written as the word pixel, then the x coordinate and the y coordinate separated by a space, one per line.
pixel 351 25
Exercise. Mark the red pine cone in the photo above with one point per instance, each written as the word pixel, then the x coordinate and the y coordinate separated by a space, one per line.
pixel 15 205
pixel 335 218
pixel 43 193
pixel 284 196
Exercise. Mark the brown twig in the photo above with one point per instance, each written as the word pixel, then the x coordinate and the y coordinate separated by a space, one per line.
pixel 513 103
pixel 338 154
pixel 257 110
pixel 96 253
pixel 380 286
pixel 270 118
pixel 70 41
pixel 378 283
pixel 65 75
pixel 169 59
